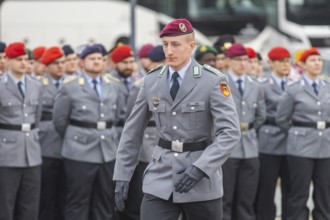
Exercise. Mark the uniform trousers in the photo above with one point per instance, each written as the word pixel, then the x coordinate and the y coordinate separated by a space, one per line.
pixel 19 193
pixel 90 190
pixel 135 195
pixel 240 184
pixel 272 167
pixel 154 208
pixel 52 197
pixel 302 172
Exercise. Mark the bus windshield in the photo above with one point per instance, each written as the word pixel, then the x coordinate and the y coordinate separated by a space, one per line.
pixel 308 12
pixel 211 8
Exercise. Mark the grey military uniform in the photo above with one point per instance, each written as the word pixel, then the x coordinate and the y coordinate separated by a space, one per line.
pixel 76 100
pixel 251 108
pixel 199 109
pixel 271 138
pixel 299 103
pixel 19 148
pixel 50 140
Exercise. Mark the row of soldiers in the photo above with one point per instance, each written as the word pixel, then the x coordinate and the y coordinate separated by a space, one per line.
pixel 76 112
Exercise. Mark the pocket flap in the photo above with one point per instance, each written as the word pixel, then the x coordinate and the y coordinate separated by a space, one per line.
pixel 193 107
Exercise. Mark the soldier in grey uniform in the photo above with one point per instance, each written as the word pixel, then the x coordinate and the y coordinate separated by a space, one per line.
pixel 123 57
pixel 241 171
pixel 3 66
pixel 52 196
pixel 20 156
pixel 71 60
pixel 85 111
pixel 304 111
pixel 189 104
pixel 272 140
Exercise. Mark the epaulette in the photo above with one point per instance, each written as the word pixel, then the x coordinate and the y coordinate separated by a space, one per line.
pixel 211 69
pixel 37 78
pixel 139 83
pixel 263 80
pixel 325 77
pixel 154 69
pixel 45 81
pixel 69 79
pixel 293 82
pixel 249 78
pixel 111 78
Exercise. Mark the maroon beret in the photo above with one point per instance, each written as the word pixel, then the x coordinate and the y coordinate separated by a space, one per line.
pixel 251 52
pixel 38 52
pixel 307 53
pixel 144 50
pixel 14 50
pixel 177 27
pixel 236 50
pixel 51 54
pixel 278 53
pixel 120 53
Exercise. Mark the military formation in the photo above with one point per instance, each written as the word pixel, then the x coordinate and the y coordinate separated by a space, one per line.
pixel 185 131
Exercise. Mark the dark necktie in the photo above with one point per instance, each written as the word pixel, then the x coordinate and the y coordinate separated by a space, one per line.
pixel 314 85
pixel 95 87
pixel 20 88
pixel 126 83
pixel 283 85
pixel 240 88
pixel 57 84
pixel 175 85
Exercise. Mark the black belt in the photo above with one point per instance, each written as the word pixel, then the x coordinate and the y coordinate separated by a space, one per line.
pixel 318 125
pixel 245 126
pixel 151 124
pixel 182 147
pixel 22 127
pixel 46 116
pixel 120 123
pixel 98 125
pixel 270 121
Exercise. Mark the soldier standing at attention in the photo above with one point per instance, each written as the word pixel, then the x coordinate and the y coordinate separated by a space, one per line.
pixel 71 60
pixel 3 67
pixel 52 196
pixel 304 111
pixel 39 68
pixel 272 141
pixel 123 57
pixel 85 110
pixel 198 127
pixel 20 157
pixel 241 170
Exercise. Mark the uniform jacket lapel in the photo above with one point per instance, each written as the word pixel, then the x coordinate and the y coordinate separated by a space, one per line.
pixel 163 85
pixel 248 87
pixel 233 87
pixel 187 84
pixel 322 90
pixel 308 88
pixel 88 89
pixel 13 87
pixel 275 87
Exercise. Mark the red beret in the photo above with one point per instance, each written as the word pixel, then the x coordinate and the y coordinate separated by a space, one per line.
pixel 278 53
pixel 38 51
pixel 307 53
pixel 121 53
pixel 251 53
pixel 144 51
pixel 177 27
pixel 236 50
pixel 51 54
pixel 14 50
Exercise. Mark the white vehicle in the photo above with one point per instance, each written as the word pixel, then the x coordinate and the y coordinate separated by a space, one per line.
pixel 77 22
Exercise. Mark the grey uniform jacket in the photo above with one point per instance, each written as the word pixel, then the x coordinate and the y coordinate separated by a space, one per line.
pixel 50 140
pixel 78 101
pixel 272 140
pixel 150 137
pixel 19 148
pixel 300 103
pixel 199 110
pixel 124 94
pixel 251 108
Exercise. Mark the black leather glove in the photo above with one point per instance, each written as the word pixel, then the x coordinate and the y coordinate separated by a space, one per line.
pixel 121 193
pixel 190 177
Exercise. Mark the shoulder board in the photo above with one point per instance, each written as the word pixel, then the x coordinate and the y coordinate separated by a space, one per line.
pixel 211 69
pixel 325 77
pixel 139 82
pixel 249 78
pixel 157 68
pixel 111 78
pixel 293 82
pixel 69 79
pixel 37 78
pixel 263 79
pixel 45 81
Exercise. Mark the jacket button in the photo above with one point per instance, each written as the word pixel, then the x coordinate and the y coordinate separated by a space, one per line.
pixel 173 113
pixel 175 127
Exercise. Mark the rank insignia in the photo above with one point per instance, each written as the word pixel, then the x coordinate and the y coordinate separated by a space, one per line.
pixel 224 88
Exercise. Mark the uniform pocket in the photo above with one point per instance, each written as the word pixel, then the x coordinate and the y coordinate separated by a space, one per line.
pixel 159 114
pixel 152 166
pixel 192 115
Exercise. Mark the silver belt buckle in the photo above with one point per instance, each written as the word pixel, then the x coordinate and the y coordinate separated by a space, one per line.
pixel 177 146
pixel 244 126
pixel 101 125
pixel 321 125
pixel 26 127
